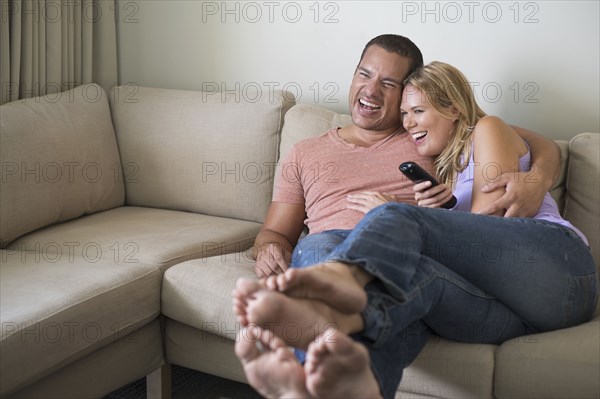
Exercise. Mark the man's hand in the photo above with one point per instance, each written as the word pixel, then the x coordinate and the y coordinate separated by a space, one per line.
pixel 523 197
pixel 276 240
pixel 431 197
pixel 367 200
pixel 272 259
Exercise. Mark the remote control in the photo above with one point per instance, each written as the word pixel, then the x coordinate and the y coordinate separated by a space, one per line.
pixel 417 174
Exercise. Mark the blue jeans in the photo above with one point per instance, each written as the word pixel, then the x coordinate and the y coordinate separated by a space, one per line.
pixel 466 277
pixel 315 248
pixel 318 247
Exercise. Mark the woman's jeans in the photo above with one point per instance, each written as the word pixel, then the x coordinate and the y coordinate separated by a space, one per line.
pixel 466 277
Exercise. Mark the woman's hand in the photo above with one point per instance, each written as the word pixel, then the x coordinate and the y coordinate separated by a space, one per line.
pixel 431 197
pixel 367 200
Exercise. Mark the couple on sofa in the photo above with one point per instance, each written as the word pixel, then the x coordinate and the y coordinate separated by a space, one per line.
pixel 365 291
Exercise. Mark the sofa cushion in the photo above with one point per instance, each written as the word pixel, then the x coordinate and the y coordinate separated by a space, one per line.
pixel 59 160
pixel 200 350
pixel 447 369
pixel 131 235
pixel 54 313
pixel 198 292
pixel 207 153
pixel 304 120
pixel 558 189
pixel 557 364
pixel 582 204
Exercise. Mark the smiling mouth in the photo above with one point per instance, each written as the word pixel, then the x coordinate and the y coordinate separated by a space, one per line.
pixel 369 106
pixel 419 136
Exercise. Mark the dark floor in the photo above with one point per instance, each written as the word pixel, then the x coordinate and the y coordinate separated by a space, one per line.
pixel 188 384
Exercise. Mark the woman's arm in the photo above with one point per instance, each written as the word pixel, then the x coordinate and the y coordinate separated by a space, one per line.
pixel 496 151
pixel 525 191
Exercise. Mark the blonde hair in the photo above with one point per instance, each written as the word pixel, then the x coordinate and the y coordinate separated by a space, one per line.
pixel 447 90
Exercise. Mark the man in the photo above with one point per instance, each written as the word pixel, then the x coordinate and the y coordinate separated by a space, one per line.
pixel 364 156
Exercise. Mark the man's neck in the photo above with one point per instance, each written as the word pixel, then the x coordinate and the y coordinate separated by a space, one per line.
pixel 364 138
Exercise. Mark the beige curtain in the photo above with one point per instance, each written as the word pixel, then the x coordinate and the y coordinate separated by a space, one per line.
pixel 48 46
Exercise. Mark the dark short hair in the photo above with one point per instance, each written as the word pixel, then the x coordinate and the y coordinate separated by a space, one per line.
pixel 400 45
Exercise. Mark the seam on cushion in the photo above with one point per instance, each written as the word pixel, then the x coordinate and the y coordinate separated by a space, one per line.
pixel 333 114
pixel 567 185
pixel 280 128
pixel 421 395
pixel 279 139
pixel 552 360
pixel 190 254
pixel 562 185
pixel 456 361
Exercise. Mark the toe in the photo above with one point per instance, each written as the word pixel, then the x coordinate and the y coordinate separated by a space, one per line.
pixel 271 283
pixel 245 287
pixel 336 341
pixel 282 281
pixel 245 346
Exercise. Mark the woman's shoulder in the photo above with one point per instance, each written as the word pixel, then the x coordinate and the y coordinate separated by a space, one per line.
pixel 493 128
pixel 491 131
pixel 491 122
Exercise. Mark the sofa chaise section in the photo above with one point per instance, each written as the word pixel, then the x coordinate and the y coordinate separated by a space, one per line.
pixel 91 218
pixel 56 313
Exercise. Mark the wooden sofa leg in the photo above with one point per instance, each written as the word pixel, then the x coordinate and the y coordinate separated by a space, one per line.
pixel 158 383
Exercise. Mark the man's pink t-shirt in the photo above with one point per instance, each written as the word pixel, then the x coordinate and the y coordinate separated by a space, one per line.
pixel 320 172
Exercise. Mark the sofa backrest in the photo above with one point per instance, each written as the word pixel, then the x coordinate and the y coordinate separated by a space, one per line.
pixel 558 191
pixel 59 160
pixel 304 121
pixel 582 200
pixel 202 152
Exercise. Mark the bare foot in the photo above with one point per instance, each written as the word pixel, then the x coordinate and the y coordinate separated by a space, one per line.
pixel 244 288
pixel 269 366
pixel 338 367
pixel 297 321
pixel 337 284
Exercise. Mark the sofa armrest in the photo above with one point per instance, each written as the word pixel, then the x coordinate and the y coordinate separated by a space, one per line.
pixel 582 200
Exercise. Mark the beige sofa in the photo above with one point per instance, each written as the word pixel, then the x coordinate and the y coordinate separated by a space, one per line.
pixel 127 217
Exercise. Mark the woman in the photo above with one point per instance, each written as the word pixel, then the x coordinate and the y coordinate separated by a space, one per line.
pixel 405 271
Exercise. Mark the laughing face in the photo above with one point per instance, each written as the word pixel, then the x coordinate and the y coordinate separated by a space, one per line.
pixel 376 90
pixel 429 128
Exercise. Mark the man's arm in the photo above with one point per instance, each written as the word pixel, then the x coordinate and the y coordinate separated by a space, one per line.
pixel 545 157
pixel 525 191
pixel 279 234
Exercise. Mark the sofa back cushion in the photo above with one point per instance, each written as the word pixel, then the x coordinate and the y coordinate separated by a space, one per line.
pixel 582 202
pixel 558 191
pixel 203 152
pixel 304 121
pixel 59 160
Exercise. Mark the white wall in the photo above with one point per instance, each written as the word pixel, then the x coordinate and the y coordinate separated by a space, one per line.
pixel 534 63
